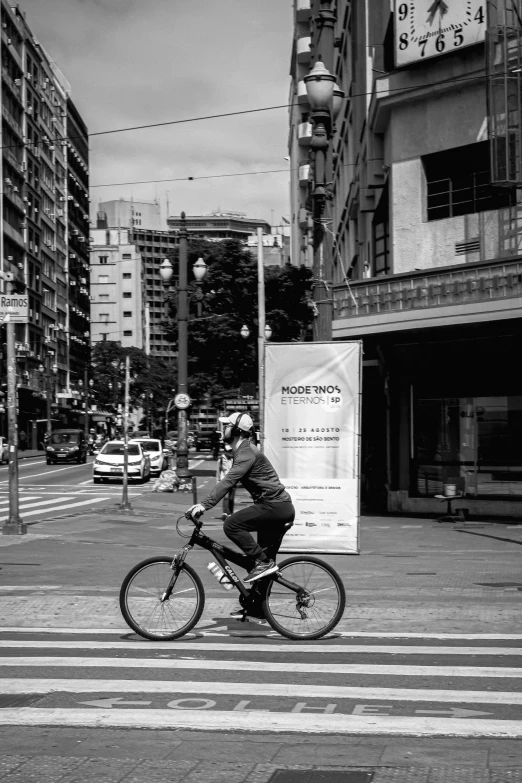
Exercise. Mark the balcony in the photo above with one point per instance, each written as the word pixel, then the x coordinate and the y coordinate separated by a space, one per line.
pixel 467 293
pixel 12 122
pixel 304 133
pixel 11 83
pixel 303 49
pixel 303 11
pixel 304 174
pixel 302 95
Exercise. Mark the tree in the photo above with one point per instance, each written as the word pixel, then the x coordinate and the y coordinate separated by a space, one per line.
pixel 148 374
pixel 219 358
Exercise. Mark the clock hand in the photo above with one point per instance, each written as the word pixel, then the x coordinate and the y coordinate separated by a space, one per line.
pixel 437 5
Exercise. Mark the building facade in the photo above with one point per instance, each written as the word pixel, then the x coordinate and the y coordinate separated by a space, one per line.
pixel 132 214
pixel 127 294
pixel 220 225
pixel 426 265
pixel 44 231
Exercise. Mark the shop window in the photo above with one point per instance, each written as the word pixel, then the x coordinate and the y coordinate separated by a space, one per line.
pixel 458 182
pixel 471 442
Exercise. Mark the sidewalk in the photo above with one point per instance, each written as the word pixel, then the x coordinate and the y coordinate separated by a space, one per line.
pixel 414 576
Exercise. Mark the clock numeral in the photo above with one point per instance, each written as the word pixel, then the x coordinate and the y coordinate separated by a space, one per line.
pixel 440 44
pixel 459 38
pixel 479 16
pixel 423 45
pixel 403 41
pixel 403 11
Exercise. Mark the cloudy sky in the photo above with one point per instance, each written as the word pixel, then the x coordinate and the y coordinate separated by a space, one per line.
pixel 134 62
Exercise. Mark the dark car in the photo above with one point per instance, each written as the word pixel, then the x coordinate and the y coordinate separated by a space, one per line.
pixel 66 446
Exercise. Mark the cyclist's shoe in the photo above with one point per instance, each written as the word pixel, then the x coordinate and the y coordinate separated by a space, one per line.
pixel 260 570
pixel 245 614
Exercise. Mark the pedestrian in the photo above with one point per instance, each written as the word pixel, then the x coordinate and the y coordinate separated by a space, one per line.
pixel 215 442
pixel 223 466
pixel 23 441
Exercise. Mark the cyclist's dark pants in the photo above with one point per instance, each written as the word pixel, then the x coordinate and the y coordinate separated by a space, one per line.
pixel 267 519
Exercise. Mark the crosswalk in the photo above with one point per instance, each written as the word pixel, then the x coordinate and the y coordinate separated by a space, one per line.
pixel 250 679
pixel 36 501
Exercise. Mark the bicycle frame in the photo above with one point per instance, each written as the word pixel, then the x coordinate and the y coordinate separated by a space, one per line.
pixel 222 554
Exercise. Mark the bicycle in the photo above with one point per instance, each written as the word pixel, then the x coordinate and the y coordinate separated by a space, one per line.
pixel 162 598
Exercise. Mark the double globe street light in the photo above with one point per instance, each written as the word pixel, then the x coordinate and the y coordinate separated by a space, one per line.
pixel 182 399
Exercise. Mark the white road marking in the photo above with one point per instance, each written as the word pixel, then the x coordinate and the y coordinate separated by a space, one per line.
pixel 343 634
pixel 46 473
pixel 268 666
pixel 22 499
pixel 23 504
pixel 59 508
pixel 318 649
pixel 19 686
pixel 214 720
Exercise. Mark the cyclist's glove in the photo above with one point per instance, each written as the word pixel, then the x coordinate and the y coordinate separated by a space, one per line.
pixel 195 511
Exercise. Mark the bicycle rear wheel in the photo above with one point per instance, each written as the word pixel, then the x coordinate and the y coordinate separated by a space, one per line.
pixel 154 608
pixel 315 609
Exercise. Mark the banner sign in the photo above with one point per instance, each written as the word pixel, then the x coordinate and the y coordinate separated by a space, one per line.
pixel 14 308
pixel 312 434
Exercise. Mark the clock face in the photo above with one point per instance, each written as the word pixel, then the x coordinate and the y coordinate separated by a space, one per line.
pixel 429 28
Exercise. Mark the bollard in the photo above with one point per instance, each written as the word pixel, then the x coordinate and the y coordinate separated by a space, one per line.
pixel 194 490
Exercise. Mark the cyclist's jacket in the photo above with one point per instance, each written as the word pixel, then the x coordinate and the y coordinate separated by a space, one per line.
pixel 255 473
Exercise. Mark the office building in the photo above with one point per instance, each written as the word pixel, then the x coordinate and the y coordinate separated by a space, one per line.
pixel 426 220
pixel 44 232
pixel 123 213
pixel 220 225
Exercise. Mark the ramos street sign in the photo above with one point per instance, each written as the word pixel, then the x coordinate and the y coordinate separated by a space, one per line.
pixel 14 308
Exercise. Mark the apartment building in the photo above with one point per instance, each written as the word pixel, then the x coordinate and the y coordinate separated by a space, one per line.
pixel 129 213
pixel 425 214
pixel 127 294
pixel 44 209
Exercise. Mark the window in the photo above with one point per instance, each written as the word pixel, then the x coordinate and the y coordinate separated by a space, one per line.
pixel 127 256
pixel 127 275
pixel 104 297
pixel 127 295
pixel 103 278
pixel 127 332
pixel 127 313
pixel 381 236
pixel 103 259
pixel 459 183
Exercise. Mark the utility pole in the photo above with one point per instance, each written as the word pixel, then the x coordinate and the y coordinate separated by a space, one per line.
pixel 261 336
pixel 182 468
pixel 125 504
pixel 86 399
pixel 14 524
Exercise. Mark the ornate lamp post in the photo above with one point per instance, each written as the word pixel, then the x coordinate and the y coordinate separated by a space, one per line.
pixel 85 387
pixel 182 399
pixel 48 372
pixel 325 100
pixel 267 333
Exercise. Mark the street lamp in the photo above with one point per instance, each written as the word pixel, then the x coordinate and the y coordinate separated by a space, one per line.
pixel 85 387
pixel 325 99
pixel 182 399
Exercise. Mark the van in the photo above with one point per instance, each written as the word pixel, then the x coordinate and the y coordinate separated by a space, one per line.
pixel 66 446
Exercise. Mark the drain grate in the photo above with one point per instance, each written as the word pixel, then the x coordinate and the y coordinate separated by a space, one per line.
pixel 319 776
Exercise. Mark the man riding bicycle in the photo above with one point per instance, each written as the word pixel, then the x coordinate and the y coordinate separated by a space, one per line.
pixel 272 509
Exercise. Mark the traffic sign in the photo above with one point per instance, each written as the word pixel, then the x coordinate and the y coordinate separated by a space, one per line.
pixel 182 401
pixel 14 308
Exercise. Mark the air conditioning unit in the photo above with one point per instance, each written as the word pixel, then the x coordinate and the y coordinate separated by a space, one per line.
pixel 70 198
pixel 24 198
pixel 72 255
pixel 83 280
pixel 23 165
pixel 16 190
pixel 28 76
pixel 18 82
pixel 29 110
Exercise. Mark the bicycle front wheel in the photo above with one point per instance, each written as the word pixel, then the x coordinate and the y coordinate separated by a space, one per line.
pixel 156 608
pixel 314 609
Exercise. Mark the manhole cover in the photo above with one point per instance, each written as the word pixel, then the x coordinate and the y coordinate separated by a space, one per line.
pixel 319 776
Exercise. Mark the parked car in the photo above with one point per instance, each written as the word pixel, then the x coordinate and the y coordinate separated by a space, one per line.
pixel 109 462
pixel 158 455
pixel 66 446
pixel 4 449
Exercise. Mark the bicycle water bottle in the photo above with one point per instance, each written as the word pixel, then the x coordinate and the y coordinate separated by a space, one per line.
pixel 222 578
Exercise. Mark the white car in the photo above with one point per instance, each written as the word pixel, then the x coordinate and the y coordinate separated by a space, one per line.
pixel 109 462
pixel 158 456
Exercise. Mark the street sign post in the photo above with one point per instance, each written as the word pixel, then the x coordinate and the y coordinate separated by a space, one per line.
pixel 13 309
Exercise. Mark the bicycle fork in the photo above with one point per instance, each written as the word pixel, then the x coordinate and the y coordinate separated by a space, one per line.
pixel 176 566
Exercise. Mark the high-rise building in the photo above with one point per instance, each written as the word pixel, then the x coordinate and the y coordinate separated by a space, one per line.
pixel 127 295
pixel 426 219
pixel 123 213
pixel 44 169
pixel 220 225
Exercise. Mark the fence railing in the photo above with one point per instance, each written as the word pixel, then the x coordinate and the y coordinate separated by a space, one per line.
pixel 457 285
